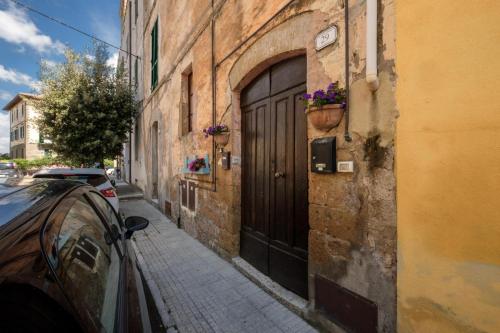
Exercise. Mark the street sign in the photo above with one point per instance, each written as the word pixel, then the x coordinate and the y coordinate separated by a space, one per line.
pixel 326 37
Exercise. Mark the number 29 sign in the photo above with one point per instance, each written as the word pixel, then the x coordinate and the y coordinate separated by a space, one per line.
pixel 326 37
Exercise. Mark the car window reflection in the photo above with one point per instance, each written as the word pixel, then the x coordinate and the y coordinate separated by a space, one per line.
pixel 108 212
pixel 88 266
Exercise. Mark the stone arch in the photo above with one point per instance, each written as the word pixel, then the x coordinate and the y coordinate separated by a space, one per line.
pixel 286 40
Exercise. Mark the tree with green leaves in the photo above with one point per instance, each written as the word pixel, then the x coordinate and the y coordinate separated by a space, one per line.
pixel 86 107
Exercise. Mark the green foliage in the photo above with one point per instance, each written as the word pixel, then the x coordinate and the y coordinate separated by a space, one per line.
pixel 109 162
pixel 25 165
pixel 86 107
pixel 4 156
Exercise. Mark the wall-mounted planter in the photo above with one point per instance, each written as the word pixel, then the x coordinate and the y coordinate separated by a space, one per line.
pixel 201 171
pixel 221 140
pixel 325 117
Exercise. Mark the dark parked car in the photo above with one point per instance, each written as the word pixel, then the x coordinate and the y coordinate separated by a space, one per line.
pixel 66 262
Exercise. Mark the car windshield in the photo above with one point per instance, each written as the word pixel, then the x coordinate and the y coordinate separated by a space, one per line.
pixel 6 166
pixel 94 180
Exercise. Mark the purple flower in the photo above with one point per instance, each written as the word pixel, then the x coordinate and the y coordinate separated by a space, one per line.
pixel 333 95
pixel 215 130
pixel 319 94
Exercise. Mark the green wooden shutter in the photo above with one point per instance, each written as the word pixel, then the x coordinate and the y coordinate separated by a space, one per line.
pixel 154 56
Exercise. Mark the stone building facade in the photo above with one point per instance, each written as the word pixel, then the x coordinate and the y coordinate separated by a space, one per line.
pixel 131 56
pixel 25 139
pixel 314 233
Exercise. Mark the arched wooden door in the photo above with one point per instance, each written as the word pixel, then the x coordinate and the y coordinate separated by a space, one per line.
pixel 275 226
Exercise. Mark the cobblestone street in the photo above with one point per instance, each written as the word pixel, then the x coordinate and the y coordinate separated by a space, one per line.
pixel 201 292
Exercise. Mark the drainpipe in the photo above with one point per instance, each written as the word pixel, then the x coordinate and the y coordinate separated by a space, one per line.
pixel 130 87
pixel 371 45
pixel 347 135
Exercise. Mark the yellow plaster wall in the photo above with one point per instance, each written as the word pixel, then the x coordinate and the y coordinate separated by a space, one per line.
pixel 448 165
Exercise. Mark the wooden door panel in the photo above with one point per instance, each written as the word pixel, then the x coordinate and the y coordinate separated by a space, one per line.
pixel 260 115
pixel 288 269
pixel 279 220
pixel 288 74
pixel 257 90
pixel 248 175
pixel 301 198
pixel 255 250
pixel 255 229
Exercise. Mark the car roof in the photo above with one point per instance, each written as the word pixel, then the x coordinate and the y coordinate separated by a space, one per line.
pixel 29 200
pixel 6 189
pixel 73 171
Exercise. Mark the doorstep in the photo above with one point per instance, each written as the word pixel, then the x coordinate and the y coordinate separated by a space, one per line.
pixel 289 299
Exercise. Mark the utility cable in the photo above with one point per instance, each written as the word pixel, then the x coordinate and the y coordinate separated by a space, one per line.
pixel 71 27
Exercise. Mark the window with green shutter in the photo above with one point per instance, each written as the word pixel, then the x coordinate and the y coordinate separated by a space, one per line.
pixel 154 56
pixel 136 73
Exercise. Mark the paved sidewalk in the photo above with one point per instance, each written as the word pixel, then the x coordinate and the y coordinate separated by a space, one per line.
pixel 201 291
pixel 127 191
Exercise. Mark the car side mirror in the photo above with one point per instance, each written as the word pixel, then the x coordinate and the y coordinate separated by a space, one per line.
pixel 135 223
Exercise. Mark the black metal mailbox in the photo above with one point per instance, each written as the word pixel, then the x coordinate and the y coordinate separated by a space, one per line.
pixel 324 155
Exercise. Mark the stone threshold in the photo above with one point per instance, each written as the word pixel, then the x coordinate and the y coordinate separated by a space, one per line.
pixel 292 301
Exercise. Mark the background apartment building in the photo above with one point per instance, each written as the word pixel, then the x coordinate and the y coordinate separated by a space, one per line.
pixel 331 239
pixel 25 139
pixel 133 166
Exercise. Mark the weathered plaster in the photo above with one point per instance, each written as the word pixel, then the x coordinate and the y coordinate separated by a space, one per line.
pixel 447 166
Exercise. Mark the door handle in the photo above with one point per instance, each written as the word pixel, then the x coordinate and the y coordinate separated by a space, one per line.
pixel 279 174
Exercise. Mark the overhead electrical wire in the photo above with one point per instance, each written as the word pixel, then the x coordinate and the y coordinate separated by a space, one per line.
pixel 20 4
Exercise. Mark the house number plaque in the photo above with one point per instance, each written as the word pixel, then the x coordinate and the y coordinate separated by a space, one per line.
pixel 326 37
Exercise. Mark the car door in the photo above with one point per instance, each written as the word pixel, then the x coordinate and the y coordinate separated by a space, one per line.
pixel 87 263
pixel 137 310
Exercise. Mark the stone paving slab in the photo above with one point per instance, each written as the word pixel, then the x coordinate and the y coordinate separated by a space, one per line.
pixel 200 291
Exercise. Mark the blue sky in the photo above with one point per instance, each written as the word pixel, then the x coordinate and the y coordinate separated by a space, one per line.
pixel 26 38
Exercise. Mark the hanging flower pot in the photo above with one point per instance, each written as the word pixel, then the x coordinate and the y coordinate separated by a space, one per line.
pixel 220 134
pixel 222 139
pixel 325 109
pixel 325 117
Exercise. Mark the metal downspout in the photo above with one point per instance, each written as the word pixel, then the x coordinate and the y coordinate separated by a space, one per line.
pixel 347 135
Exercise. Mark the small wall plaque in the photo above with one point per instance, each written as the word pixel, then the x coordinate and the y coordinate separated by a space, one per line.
pixel 326 37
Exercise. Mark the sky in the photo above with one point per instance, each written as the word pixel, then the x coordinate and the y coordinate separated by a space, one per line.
pixel 26 38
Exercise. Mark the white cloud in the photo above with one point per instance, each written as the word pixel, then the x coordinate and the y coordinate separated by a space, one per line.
pixel 18 28
pixel 4 132
pixel 113 60
pixel 15 77
pixel 5 95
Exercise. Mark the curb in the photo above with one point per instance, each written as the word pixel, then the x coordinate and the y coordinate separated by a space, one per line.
pixel 166 318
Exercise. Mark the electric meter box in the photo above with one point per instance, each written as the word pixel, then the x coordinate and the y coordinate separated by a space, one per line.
pixel 324 155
